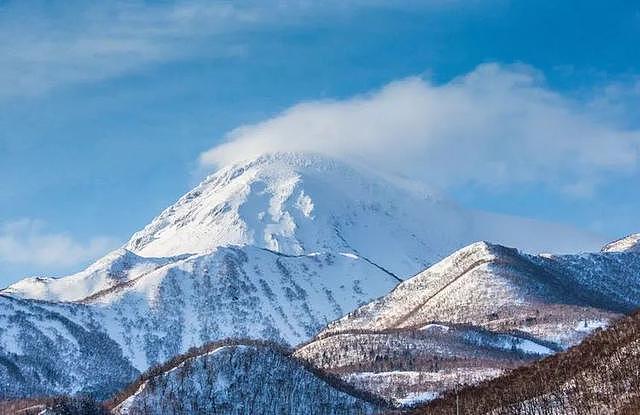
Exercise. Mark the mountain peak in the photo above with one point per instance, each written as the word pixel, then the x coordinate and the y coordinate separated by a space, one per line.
pixel 485 279
pixel 303 203
pixel 629 243
pixel 297 204
pixel 484 248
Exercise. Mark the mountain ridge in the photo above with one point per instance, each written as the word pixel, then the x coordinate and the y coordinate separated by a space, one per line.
pixel 598 376
pixel 268 365
pixel 275 248
pixel 630 243
pixel 425 335
pixel 296 203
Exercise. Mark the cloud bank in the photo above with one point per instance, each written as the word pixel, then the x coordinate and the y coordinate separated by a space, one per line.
pixel 494 127
pixel 27 241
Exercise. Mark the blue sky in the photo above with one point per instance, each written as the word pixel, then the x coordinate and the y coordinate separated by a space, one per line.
pixel 106 110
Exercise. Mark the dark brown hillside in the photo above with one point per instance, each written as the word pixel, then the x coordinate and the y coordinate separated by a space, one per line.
pixel 53 405
pixel 599 376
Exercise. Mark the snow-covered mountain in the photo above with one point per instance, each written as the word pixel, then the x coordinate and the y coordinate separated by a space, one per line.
pixel 113 269
pixel 296 203
pixel 630 243
pixel 276 247
pixel 50 348
pixel 496 299
pixel 233 292
pixel 237 378
pixel 483 284
pixel 301 204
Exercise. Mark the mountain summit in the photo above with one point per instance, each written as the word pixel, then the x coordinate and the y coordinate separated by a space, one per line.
pixel 304 204
pixel 274 248
pixel 297 203
pixel 629 243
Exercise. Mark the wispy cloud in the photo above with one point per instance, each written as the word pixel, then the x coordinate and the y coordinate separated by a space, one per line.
pixel 496 126
pixel 27 241
pixel 44 45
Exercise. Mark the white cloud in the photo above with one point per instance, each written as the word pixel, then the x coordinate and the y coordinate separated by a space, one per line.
pixel 27 241
pixel 45 45
pixel 494 127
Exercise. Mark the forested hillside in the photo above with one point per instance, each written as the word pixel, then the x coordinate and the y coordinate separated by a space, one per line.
pixel 600 376
pixel 241 377
pixel 481 311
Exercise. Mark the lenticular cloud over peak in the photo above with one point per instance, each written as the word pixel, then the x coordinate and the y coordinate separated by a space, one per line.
pixel 495 126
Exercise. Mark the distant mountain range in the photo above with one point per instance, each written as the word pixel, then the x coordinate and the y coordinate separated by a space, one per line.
pixel 306 251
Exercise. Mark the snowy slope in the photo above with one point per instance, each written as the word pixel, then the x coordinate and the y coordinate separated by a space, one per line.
pixel 298 204
pixel 234 292
pixel 231 292
pixel 630 243
pixel 599 376
pixel 408 343
pixel 240 379
pixel 116 267
pixel 47 349
pixel 274 248
pixel 501 288
pixel 301 203
pixel 405 366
